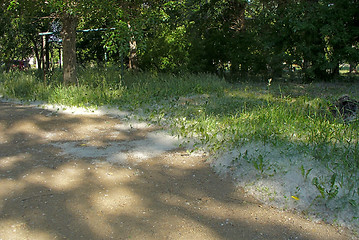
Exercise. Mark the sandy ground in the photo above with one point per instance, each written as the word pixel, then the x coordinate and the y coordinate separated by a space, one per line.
pixel 67 176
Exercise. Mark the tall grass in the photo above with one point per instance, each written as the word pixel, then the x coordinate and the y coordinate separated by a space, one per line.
pixel 221 116
pixel 105 86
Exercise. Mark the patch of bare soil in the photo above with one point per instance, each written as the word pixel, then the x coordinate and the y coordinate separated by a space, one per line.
pixel 66 176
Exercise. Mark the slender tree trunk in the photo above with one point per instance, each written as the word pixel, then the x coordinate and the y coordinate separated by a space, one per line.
pixel 132 58
pixel 352 68
pixel 132 62
pixel 68 34
pixel 335 71
pixel 43 56
pixel 47 54
pixel 237 23
pixel 36 53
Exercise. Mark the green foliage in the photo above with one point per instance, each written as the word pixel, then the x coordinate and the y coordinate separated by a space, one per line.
pixel 327 190
pixel 304 172
pixel 231 38
pixel 168 52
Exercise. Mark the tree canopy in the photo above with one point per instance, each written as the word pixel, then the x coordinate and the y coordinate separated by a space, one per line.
pixel 229 37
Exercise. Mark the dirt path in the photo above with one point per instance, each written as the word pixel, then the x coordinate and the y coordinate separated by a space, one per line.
pixel 94 177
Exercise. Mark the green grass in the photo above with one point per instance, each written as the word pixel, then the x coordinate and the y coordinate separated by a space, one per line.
pixel 204 105
pixel 220 116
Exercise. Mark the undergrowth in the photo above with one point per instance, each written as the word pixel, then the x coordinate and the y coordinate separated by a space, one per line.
pixel 219 116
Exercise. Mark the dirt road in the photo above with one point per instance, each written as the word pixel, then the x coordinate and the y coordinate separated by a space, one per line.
pixel 67 176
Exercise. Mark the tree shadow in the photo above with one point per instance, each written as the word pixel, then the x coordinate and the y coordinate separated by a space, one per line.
pixel 46 195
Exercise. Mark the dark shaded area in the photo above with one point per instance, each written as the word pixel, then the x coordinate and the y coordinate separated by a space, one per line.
pixel 346 108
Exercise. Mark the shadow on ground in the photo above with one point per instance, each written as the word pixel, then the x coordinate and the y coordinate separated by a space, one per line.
pixel 45 194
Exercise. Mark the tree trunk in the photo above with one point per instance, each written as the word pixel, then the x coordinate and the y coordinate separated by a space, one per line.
pixel 36 53
pixel 68 34
pixel 352 68
pixel 43 60
pixel 132 58
pixel 47 54
pixel 335 71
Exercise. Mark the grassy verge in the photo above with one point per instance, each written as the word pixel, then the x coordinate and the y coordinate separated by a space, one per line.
pixel 278 138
